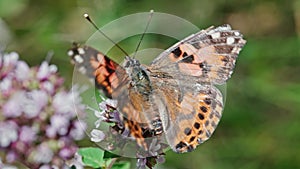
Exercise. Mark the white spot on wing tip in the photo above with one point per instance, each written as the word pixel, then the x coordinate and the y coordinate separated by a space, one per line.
pixel 236 50
pixel 215 35
pixel 230 40
pixel 70 53
pixel 224 27
pixel 236 33
pixel 80 51
pixel 78 58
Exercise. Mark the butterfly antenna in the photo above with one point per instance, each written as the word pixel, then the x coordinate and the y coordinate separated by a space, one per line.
pixel 148 23
pixel 87 17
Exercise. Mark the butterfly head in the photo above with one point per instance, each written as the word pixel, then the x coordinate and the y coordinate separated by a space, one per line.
pixel 138 75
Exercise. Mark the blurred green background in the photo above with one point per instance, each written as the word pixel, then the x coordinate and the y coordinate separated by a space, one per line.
pixel 260 127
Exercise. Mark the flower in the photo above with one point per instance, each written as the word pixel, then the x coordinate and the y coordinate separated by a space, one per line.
pixel 45 70
pixel 13 106
pixel 43 154
pixel 22 71
pixel 34 102
pixel 39 122
pixel 8 133
pixel 27 134
pixel 97 135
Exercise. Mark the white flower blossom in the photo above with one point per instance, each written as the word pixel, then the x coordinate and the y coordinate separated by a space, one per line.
pixel 8 133
pixel 97 135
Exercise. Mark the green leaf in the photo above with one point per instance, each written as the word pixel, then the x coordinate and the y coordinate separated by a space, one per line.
pixel 121 165
pixel 92 157
pixel 108 154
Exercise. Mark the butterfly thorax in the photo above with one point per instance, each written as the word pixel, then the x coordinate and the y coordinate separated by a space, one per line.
pixel 138 76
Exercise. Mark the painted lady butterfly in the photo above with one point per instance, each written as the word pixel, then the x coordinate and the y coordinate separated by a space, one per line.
pixel 174 95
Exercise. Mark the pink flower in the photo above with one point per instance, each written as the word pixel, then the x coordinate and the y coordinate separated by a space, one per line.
pixel 13 107
pixel 97 135
pixel 60 123
pixel 22 71
pixel 63 103
pixel 43 154
pixel 45 70
pixel 67 152
pixel 34 102
pixel 11 156
pixel 38 123
pixel 8 133
pixel 27 134
pixel 77 132
pixel 9 62
pixel 5 85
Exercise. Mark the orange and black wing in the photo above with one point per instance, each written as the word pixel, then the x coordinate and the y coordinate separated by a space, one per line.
pixel 106 73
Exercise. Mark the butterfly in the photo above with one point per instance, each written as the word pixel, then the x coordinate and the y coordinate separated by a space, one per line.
pixel 176 95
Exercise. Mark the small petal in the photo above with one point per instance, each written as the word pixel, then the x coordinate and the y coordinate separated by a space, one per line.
pixel 34 102
pixel 112 103
pixel 102 106
pixel 67 152
pixel 60 123
pixel 53 68
pixel 63 104
pixel 44 71
pixel 99 114
pixel 5 84
pixel 22 71
pixel 43 154
pixel 97 135
pixel 141 163
pixel 51 132
pixel 13 107
pixel 77 133
pixel 98 122
pixel 48 87
pixel 8 133
pixel 11 59
pixel 27 134
pixel 11 157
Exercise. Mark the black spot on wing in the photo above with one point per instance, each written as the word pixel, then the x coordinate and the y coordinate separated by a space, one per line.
pixel 197 125
pixel 187 131
pixel 203 109
pixel 188 59
pixel 200 115
pixel 177 52
pixel 207 101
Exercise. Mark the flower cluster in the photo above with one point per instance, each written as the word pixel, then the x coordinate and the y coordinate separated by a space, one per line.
pixel 38 123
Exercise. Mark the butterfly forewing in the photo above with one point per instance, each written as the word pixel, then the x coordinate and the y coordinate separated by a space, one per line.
pixel 106 73
pixel 113 81
pixel 209 55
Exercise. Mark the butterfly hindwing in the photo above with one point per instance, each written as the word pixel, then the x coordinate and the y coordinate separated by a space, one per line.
pixel 193 119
